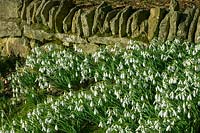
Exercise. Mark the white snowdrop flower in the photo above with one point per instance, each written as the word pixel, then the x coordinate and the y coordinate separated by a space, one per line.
pixel 100 124
pixel 72 116
pixel 23 125
pixel 95 93
pixel 172 95
pixel 165 114
pixel 132 117
pixel 29 115
pixel 160 113
pixel 95 111
pixel 70 93
pixel 188 115
pixel 168 128
pixel 109 120
pixel 12 131
pixel 142 98
pixel 189 97
pixel 198 103
pixel 100 102
pixel 14 122
pixel 69 85
pixel 183 97
pixel 80 108
pixel 69 107
pixel 56 127
pixel 48 130
pixel 91 104
pixel 122 76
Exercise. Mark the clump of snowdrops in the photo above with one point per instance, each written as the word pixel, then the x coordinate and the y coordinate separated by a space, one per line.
pixel 132 89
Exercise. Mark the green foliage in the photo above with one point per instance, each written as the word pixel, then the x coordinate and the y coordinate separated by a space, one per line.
pixel 136 89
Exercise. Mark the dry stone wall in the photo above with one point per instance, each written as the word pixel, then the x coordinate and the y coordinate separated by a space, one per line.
pixel 102 24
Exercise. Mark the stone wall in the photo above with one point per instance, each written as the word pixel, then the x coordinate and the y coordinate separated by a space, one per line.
pixel 47 20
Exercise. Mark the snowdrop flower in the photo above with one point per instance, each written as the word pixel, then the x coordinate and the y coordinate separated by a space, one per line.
pixel 56 127
pixel 100 124
pixel 95 111
pixel 168 128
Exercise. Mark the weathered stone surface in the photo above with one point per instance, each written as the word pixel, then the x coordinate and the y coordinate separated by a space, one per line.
pixel 87 48
pixel 36 4
pixel 52 14
pixel 128 25
pixel 164 28
pixel 38 11
pixel 67 38
pixel 9 28
pixel 63 10
pixel 155 18
pixel 109 17
pixel 29 12
pixel 185 21
pixel 14 46
pixel 197 34
pixel 174 5
pixel 87 19
pixel 123 20
pixel 37 32
pixel 99 16
pixel 174 21
pixel 144 26
pixel 67 22
pixel 138 17
pixel 45 10
pixel 108 40
pixel 76 23
pixel 193 26
pixel 9 8
pixel 114 24
pixel 35 7
pixel 25 5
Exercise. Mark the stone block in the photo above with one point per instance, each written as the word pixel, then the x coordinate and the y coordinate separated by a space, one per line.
pixel 193 25
pixel 37 32
pixel 14 46
pixel 9 28
pixel 9 9
pixel 138 18
pixel 109 17
pixel 87 19
pixel 29 12
pixel 99 17
pixel 164 28
pixel 174 5
pixel 70 39
pixel 108 40
pixel 46 8
pixel 38 11
pixel 185 21
pixel 52 14
pixel 63 10
pixel 155 18
pixel 35 7
pixel 114 23
pixel 126 13
pixel 24 7
pixel 76 23
pixel 174 22
pixel 67 22
pixel 197 34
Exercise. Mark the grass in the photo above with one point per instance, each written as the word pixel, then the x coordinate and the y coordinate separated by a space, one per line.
pixel 132 89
